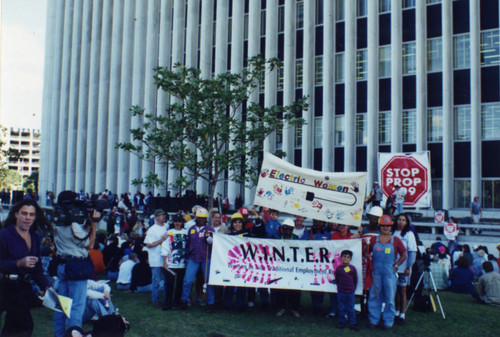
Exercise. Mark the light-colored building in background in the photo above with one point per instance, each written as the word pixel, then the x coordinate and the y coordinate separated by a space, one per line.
pixel 26 141
pixel 381 76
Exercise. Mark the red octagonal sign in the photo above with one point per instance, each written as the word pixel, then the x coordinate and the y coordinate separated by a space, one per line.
pixel 408 172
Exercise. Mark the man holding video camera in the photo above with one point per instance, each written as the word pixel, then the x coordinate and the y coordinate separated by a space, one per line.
pixel 75 231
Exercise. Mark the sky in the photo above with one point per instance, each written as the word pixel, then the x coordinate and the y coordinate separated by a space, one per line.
pixel 22 60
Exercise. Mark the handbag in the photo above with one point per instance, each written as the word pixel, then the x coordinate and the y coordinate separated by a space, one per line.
pixel 79 269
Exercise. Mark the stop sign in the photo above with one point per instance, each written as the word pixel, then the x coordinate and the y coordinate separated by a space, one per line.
pixel 407 172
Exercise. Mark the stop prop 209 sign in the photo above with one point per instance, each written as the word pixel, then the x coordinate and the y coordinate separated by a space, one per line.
pixel 410 172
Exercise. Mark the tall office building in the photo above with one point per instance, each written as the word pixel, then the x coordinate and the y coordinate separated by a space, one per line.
pixel 381 76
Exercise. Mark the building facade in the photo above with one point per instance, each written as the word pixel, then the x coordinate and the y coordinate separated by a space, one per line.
pixel 27 142
pixel 381 76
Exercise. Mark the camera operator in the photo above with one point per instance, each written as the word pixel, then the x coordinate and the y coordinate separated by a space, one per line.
pixel 74 236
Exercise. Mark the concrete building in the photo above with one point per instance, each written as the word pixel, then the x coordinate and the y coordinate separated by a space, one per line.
pixel 26 141
pixel 381 76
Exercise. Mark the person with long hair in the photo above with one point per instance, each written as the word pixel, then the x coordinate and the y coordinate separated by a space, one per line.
pixel 20 262
pixel 403 232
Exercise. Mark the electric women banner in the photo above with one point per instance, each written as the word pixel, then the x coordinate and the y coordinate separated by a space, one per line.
pixel 331 197
pixel 281 264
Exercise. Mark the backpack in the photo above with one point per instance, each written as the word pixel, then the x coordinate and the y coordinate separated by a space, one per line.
pixel 422 303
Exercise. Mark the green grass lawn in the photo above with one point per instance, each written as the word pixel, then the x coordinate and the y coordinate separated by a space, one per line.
pixel 464 317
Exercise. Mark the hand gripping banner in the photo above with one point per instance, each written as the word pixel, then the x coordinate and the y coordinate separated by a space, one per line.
pixel 331 197
pixel 280 264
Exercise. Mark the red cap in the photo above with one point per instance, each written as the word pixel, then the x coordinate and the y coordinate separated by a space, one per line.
pixel 244 211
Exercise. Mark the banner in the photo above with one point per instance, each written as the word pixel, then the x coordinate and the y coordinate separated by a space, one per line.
pixel 280 264
pixel 410 171
pixel 331 197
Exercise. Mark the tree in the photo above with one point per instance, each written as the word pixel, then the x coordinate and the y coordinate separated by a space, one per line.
pixel 210 126
pixel 31 182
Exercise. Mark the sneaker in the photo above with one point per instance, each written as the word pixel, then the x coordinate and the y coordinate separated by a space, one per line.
pixel 400 321
pixel 341 326
pixel 331 315
pixel 354 327
pixel 280 312
pixel 295 313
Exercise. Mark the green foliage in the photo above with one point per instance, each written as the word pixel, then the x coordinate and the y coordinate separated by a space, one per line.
pixel 210 126
pixel 31 182
pixel 7 177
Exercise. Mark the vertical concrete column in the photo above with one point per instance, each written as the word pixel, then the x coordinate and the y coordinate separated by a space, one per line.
pixel 448 115
pixel 114 97
pixel 152 48
pixel 83 98
pixel 238 21
pixel 62 146
pixel 165 47
pixel 396 77
pixel 289 75
pixel 327 127
pixel 421 41
pixel 90 160
pixel 373 93
pixel 350 87
pixel 138 76
pixel 308 83
pixel 127 57
pixel 475 98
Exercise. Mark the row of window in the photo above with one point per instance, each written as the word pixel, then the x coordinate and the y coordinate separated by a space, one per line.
pixel 489 198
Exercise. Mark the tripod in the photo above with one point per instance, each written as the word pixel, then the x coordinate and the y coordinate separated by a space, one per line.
pixel 434 289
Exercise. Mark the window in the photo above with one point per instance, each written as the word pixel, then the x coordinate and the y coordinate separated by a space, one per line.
pixel 318 70
pixel 409 58
pixel 462 122
pixel 262 23
pixel 434 55
pixel 281 19
pixel 362 8
pixel 384 61
pixel 361 64
pixel 319 12
pixel 409 127
pixel 339 10
pixel 339 130
pixel 435 124
pixel 245 27
pixel 433 1
pixel 339 68
pixel 299 76
pixel 281 76
pixel 279 135
pixel 437 193
pixel 318 134
pixel 384 127
pixel 490 51
pixel 491 194
pixel 461 51
pixel 384 6
pixel 361 129
pixel 298 137
pixel 300 15
pixel 490 121
pixel 408 4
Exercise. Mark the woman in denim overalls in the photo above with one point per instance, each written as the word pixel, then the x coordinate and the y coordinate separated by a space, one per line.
pixel 383 289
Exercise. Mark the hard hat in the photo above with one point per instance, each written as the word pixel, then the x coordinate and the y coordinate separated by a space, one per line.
pixel 236 216
pixel 201 213
pixel 244 211
pixel 376 211
pixel 289 223
pixel 385 220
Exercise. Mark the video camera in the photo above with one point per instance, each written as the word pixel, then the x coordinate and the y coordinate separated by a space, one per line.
pixel 68 209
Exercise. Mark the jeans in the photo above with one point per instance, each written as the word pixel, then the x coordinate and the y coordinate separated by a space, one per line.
pixel 173 287
pixel 346 308
pixel 144 289
pixel 399 208
pixel 191 270
pixel 76 290
pixel 158 274
pixel 386 291
pixel 123 286
pixel 96 307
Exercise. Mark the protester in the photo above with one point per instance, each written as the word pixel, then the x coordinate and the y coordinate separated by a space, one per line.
pixel 440 268
pixel 98 302
pixel 488 288
pixel 215 222
pixel 318 232
pixel 273 225
pixel 385 263
pixel 461 277
pixel 478 263
pixel 299 229
pixel 475 212
pixel 343 234
pixel 20 261
pixel 142 275
pixel 346 279
pixel 125 274
pixel 400 194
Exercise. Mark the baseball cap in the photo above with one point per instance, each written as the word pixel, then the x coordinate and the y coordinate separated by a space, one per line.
pixel 159 212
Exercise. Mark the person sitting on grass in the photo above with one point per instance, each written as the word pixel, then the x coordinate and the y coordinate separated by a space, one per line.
pixel 141 274
pixel 461 277
pixel 346 278
pixel 125 274
pixel 488 288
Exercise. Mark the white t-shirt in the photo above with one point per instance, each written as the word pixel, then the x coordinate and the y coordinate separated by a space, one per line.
pixel 299 232
pixel 410 244
pixel 154 234
pixel 174 248
pixel 125 273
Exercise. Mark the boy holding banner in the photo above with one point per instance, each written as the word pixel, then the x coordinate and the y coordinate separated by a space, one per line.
pixel 347 279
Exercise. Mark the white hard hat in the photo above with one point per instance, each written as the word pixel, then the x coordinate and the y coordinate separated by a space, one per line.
pixel 289 222
pixel 376 211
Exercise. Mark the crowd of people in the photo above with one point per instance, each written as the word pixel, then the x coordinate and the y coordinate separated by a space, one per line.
pixel 170 254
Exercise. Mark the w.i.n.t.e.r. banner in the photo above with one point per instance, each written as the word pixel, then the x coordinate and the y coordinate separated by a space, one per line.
pixel 281 264
pixel 331 197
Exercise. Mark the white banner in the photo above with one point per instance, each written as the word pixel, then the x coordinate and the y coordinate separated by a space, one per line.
pixel 331 197
pixel 280 264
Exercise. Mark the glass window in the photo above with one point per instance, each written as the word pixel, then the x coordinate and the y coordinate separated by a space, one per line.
pixel 384 6
pixel 229 29
pixel 262 82
pixel 245 27
pixel 300 15
pixel 434 55
pixel 491 194
pixel 298 73
pixel 409 58
pixel 437 193
pixel 281 76
pixel 490 121
pixel 408 4
pixel 339 10
pixel 298 137
pixel 362 11
pixel 490 48
pixel 433 1
pixel 384 69
pixel 461 51
pixel 384 127
pixel 361 129
pixel 318 133
pixel 319 12
pixel 281 19
pixel 262 23
pixel 435 124
pixel 339 130
pixel 409 126
pixel 462 122
pixel 318 70
pixel 361 65
pixel 339 68
pixel 279 135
